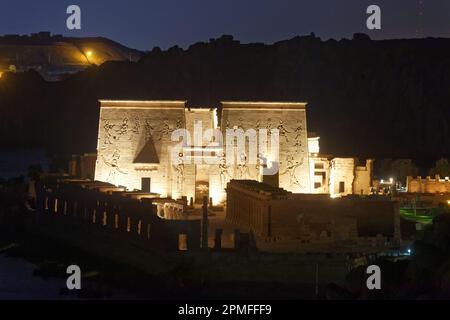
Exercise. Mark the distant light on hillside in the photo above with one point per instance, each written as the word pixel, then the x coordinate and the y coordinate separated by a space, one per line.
pixel 89 56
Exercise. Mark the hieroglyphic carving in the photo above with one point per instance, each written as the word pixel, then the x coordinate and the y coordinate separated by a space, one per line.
pixel 240 126
pixel 113 164
pixel 123 128
pixel 179 169
pixel 260 163
pixel 179 124
pixel 223 170
pixel 298 131
pixel 283 131
pixel 269 127
pixel 291 167
pixel 293 159
pixel 258 125
pixel 242 167
pixel 136 128
pixel 165 131
pixel 108 127
pixel 148 128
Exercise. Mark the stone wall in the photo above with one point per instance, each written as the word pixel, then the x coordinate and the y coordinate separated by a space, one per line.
pixel 278 214
pixel 368 217
pixel 342 175
pixel 112 214
pixel 83 166
pixel 125 129
pixel 362 185
pixel 346 177
pixel 319 174
pixel 428 185
pixel 290 120
pixel 135 150
pixel 134 143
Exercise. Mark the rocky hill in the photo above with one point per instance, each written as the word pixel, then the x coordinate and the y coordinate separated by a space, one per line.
pixel 367 98
pixel 53 56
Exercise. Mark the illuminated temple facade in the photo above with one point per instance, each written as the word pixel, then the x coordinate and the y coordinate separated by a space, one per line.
pixel 135 150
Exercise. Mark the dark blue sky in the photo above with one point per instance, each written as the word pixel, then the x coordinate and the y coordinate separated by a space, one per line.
pixel 144 24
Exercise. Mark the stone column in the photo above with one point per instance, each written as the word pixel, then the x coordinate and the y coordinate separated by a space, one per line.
pixel 205 224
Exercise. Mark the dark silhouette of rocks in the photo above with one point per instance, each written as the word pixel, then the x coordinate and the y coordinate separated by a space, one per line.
pixel 425 276
pixel 367 98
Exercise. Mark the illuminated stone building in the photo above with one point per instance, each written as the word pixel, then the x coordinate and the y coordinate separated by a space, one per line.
pixel 338 176
pixel 428 185
pixel 276 214
pixel 135 149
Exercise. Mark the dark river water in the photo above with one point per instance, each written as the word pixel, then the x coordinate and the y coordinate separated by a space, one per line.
pixel 18 282
pixel 14 162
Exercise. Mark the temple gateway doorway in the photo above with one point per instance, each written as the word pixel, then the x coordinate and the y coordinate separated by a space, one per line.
pixel 201 190
pixel 201 183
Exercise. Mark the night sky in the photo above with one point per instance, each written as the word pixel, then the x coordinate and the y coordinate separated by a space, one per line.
pixel 143 24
